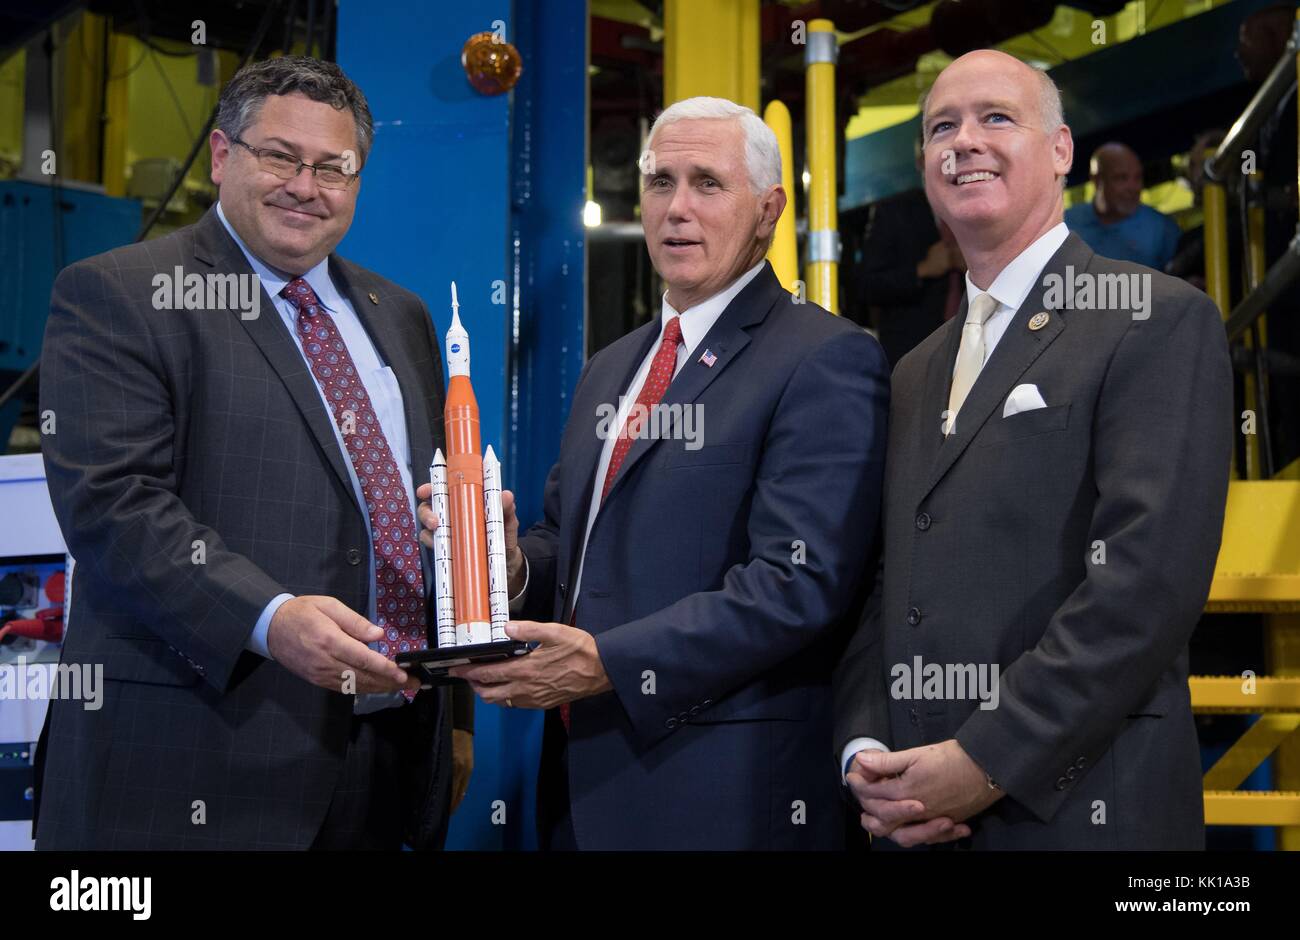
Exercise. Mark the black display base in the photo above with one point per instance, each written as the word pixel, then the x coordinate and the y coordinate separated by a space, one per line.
pixel 430 666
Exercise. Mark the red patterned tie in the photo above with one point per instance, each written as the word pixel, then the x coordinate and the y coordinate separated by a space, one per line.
pixel 656 383
pixel 399 578
pixel 662 368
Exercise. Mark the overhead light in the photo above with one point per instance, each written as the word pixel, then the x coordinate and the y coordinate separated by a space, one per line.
pixel 591 214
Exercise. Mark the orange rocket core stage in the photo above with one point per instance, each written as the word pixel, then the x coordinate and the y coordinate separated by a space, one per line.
pixel 465 506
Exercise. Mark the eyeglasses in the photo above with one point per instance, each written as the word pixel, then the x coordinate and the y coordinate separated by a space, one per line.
pixel 287 167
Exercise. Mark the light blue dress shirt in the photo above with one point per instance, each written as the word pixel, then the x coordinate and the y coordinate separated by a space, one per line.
pixel 385 396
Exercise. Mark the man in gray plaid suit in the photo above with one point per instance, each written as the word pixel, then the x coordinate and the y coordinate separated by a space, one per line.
pixel 241 419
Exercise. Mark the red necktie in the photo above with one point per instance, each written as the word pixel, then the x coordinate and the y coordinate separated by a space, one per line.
pixel 656 383
pixel 399 578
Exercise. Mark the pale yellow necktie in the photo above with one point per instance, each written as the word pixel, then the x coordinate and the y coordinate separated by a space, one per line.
pixel 970 355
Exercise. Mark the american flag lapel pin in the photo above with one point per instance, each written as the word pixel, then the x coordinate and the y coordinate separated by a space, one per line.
pixel 708 358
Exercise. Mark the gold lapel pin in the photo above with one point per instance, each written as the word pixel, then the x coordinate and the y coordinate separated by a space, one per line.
pixel 374 298
pixel 1038 321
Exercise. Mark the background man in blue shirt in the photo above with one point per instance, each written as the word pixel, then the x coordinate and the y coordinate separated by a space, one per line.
pixel 1116 224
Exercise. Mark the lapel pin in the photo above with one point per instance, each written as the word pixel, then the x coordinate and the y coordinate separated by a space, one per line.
pixel 374 298
pixel 1038 321
pixel 708 358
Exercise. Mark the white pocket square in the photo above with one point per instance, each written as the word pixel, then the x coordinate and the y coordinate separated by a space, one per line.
pixel 1023 398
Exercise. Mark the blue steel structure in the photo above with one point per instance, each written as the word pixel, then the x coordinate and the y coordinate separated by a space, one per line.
pixel 36 244
pixel 487 191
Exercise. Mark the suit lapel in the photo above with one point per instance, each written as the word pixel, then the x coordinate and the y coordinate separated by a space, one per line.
pixel 378 320
pixel 725 340
pixel 1014 353
pixel 938 380
pixel 608 379
pixel 213 246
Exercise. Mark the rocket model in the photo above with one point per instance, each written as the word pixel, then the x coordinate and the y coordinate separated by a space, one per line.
pixel 472 602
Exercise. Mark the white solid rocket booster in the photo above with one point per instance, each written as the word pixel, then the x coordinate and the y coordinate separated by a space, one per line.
pixel 444 606
pixel 498 593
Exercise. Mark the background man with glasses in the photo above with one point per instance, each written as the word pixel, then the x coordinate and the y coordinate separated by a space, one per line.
pixel 237 487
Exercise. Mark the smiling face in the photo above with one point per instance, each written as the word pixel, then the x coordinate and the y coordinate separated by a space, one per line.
pixel 991 167
pixel 704 224
pixel 289 224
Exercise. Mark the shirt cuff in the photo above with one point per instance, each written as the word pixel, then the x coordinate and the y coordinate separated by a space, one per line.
pixel 850 751
pixel 517 602
pixel 257 642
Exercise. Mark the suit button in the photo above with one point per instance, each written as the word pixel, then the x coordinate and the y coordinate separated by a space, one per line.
pixel 1061 783
pixel 563 588
pixel 683 716
pixel 354 556
pixel 913 717
pixel 1070 774
pixel 913 615
pixel 923 521
pixel 695 710
pixel 671 724
pixel 1080 763
pixel 706 703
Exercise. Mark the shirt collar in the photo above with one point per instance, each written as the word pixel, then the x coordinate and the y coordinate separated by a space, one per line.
pixel 698 320
pixel 274 279
pixel 1016 280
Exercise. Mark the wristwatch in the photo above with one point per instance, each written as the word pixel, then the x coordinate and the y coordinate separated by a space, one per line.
pixel 992 785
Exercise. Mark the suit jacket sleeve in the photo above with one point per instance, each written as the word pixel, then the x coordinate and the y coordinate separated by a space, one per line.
pixel 818 481
pixel 858 682
pixel 111 467
pixel 1162 444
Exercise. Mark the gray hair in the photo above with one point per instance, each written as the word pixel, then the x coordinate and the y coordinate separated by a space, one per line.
pixel 243 96
pixel 762 154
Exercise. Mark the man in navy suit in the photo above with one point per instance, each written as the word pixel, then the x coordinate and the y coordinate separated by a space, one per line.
pixel 706 530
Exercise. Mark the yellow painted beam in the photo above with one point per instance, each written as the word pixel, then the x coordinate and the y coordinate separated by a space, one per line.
pixel 1259 560
pixel 117 103
pixel 1282 635
pixel 1215 200
pixel 1234 694
pixel 711 47
pixel 82 55
pixel 784 250
pixel 1250 750
pixel 1252 808
pixel 1256 266
pixel 822 131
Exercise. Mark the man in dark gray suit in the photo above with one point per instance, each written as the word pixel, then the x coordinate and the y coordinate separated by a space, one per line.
pixel 1055 482
pixel 242 419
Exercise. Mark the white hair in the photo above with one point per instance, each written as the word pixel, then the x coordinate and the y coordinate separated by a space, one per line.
pixel 762 154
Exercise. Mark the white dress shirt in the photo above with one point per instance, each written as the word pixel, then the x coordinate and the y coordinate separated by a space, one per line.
pixel 696 323
pixel 1014 282
pixel 1009 289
